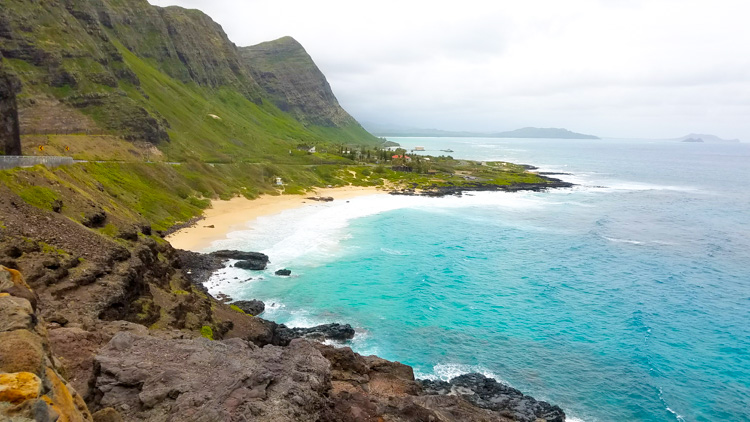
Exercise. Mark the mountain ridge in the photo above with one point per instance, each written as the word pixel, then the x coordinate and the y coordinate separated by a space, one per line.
pixel 155 75
pixel 526 132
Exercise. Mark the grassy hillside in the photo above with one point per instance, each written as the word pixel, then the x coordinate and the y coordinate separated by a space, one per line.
pixel 169 77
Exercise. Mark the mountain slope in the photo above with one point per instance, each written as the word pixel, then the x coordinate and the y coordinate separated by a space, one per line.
pixel 164 76
pixel 295 84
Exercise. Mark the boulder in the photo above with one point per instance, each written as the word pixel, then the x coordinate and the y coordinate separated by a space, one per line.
pixel 283 272
pixel 252 307
pixel 251 264
pixel 95 218
pixel 16 313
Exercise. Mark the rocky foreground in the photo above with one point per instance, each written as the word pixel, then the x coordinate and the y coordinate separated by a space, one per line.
pixel 94 328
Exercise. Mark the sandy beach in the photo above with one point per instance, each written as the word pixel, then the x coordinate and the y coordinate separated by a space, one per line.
pixel 226 216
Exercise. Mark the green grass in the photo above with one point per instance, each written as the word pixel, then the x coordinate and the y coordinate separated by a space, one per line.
pixel 38 196
pixel 207 332
pixel 237 308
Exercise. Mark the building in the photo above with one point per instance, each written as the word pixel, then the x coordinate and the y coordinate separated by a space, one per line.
pixel 405 157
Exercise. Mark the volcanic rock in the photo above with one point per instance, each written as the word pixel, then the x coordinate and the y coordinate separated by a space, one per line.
pixel 251 307
pixel 487 393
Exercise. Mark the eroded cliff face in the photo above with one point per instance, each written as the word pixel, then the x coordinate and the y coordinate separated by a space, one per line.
pixel 294 83
pixel 10 141
pixel 82 64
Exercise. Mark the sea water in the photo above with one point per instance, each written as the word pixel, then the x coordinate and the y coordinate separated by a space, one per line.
pixel 625 298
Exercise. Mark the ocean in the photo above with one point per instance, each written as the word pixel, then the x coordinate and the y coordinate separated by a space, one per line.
pixel 625 298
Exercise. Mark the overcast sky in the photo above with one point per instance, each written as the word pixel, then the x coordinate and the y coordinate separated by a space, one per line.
pixel 615 68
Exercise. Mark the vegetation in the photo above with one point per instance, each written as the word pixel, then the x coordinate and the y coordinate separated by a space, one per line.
pixel 207 332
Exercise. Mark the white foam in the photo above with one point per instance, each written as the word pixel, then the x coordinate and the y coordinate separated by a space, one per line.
pixel 311 236
pixel 448 371
pixel 616 240
pixel 639 186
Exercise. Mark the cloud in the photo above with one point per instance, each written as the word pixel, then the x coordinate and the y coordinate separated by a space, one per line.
pixel 614 67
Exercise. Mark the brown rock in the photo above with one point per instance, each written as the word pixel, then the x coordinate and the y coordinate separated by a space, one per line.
pixel 194 379
pixel 75 349
pixel 21 351
pixel 65 401
pixel 16 314
pixel 107 415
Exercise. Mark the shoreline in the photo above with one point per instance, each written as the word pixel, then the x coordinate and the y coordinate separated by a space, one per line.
pixel 225 217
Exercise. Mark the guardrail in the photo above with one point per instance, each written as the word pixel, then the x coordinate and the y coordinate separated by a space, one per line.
pixel 12 161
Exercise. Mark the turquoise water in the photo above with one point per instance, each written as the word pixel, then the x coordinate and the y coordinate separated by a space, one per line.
pixel 625 298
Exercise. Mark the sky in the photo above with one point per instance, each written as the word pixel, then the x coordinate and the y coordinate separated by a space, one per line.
pixel 613 68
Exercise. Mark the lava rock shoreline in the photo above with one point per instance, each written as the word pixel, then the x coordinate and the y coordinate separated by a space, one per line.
pixel 481 391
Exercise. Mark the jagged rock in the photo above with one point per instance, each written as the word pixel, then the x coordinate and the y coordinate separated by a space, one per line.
pixel 128 233
pixel 332 331
pixel 215 380
pixel 252 307
pixel 95 218
pixel 283 272
pixel 252 264
pixel 240 255
pixel 30 386
pixel 487 393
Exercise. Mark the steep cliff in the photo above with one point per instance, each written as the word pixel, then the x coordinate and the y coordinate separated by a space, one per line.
pixel 10 142
pixel 127 68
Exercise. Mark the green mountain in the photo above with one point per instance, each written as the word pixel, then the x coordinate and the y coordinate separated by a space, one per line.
pixel 527 132
pixel 294 83
pixel 168 77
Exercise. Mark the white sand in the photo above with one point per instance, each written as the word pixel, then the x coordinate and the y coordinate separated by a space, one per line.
pixel 232 215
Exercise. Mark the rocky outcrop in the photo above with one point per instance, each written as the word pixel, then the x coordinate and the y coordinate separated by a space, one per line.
pixel 246 260
pixel 334 331
pixel 487 393
pixel 438 191
pixel 10 139
pixel 255 265
pixel 283 272
pixel 232 380
pixel 31 387
pixel 252 307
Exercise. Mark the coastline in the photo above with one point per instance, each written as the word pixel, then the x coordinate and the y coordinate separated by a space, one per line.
pixel 226 216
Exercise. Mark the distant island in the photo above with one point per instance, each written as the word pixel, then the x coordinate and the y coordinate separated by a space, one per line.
pixel 702 137
pixel 527 132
